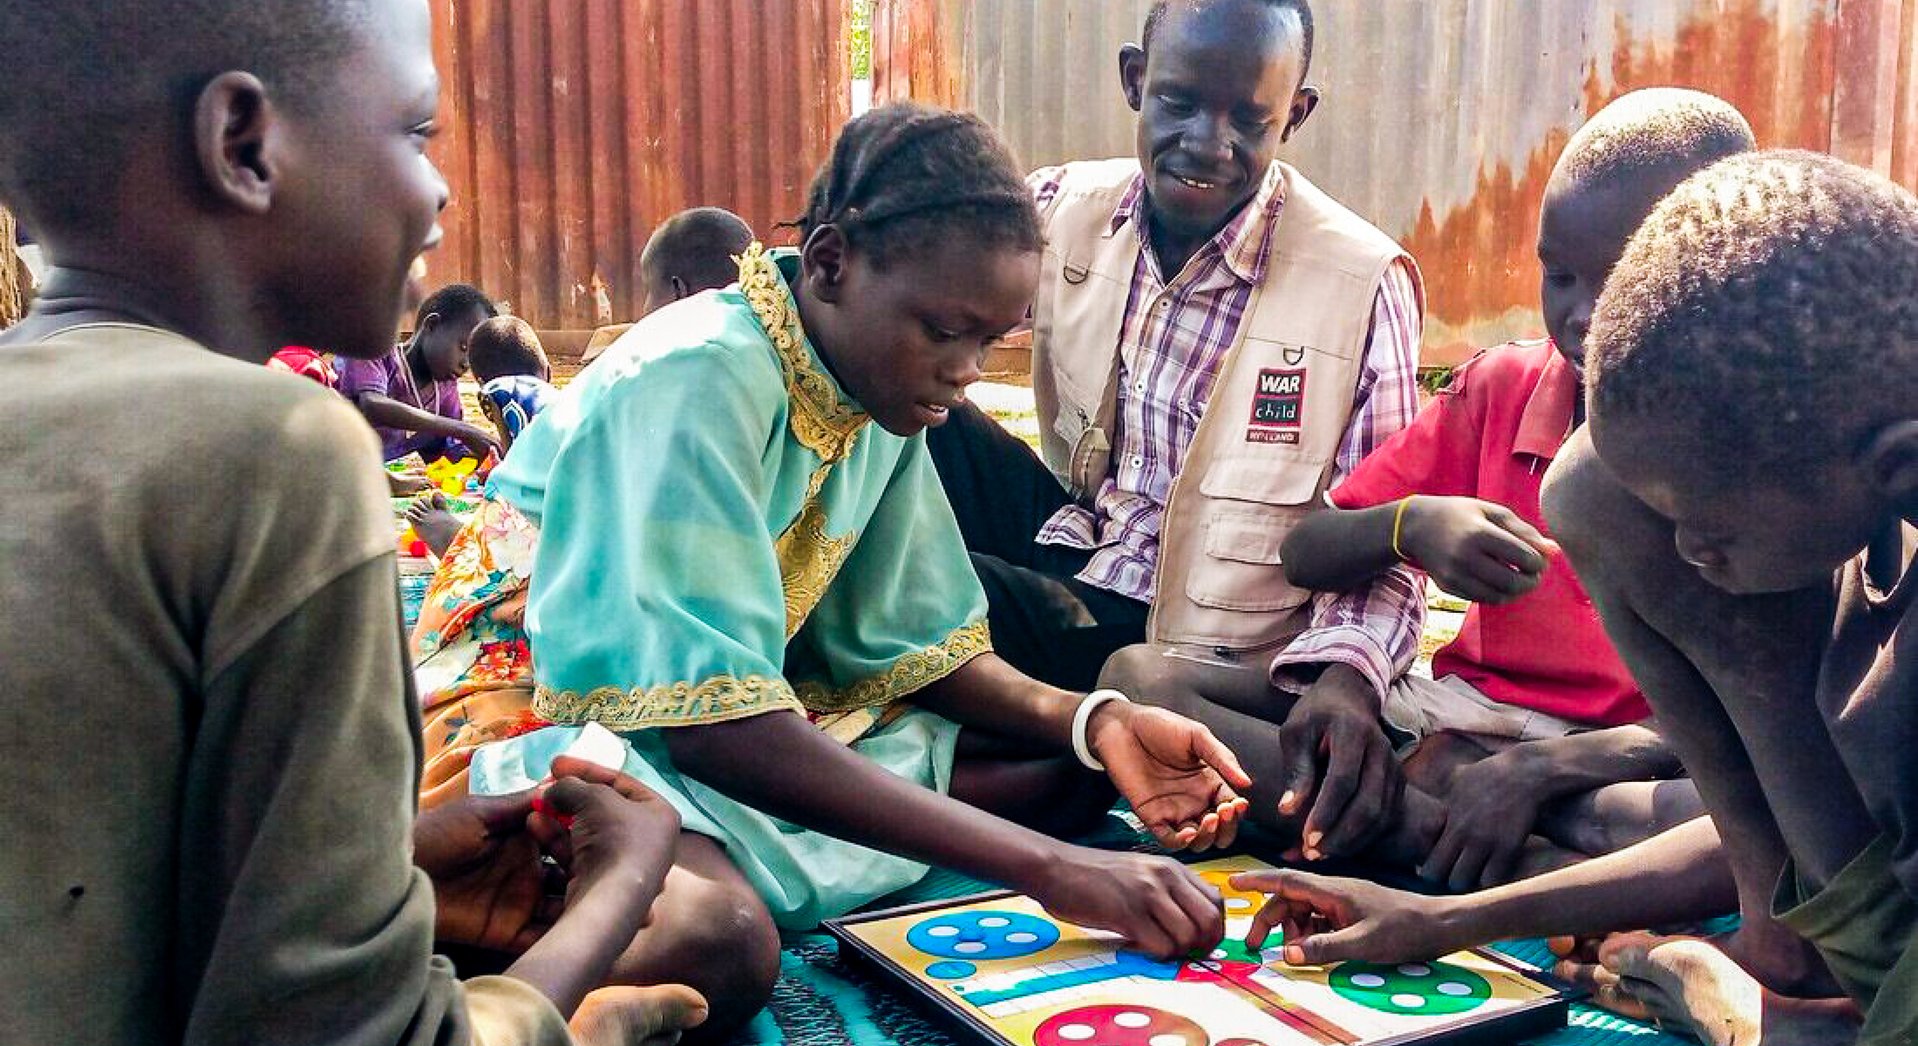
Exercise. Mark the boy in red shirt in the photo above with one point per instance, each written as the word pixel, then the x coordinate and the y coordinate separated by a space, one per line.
pixel 1531 724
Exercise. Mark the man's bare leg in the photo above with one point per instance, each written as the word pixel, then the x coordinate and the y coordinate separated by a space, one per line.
pixel 1241 706
pixel 1046 792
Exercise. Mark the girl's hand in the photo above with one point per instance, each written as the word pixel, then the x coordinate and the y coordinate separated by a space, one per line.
pixel 1180 779
pixel 1154 903
pixel 1327 920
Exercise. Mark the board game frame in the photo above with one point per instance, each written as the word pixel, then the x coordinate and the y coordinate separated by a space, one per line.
pixel 1527 1020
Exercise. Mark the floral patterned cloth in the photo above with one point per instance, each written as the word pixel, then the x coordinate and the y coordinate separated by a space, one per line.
pixel 472 663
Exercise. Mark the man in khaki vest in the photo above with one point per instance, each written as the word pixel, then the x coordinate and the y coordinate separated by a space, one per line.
pixel 1215 342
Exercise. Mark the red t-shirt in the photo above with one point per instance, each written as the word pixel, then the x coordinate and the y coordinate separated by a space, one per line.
pixel 1490 435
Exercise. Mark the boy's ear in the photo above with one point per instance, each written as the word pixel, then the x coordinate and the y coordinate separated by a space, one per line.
pixel 823 262
pixel 1132 75
pixel 680 290
pixel 1304 103
pixel 1890 462
pixel 238 141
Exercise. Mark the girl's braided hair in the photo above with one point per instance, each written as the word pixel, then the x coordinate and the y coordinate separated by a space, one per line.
pixel 905 176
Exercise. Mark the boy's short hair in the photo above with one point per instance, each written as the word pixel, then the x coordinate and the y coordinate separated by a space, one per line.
pixel 1765 314
pixel 698 246
pixel 506 345
pixel 1654 127
pixel 456 299
pixel 1302 8
pixel 85 77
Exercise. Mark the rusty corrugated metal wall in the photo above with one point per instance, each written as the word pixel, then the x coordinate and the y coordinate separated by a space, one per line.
pixel 1442 118
pixel 571 127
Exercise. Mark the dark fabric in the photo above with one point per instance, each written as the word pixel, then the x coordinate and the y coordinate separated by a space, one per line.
pixel 1045 621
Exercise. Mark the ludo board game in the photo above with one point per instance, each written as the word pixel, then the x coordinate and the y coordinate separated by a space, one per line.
pixel 1013 976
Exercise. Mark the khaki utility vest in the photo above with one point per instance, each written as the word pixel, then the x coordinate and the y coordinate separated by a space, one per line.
pixel 1264 450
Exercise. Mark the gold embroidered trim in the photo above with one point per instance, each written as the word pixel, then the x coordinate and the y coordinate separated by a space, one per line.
pixel 714 700
pixel 808 557
pixel 911 672
pixel 821 421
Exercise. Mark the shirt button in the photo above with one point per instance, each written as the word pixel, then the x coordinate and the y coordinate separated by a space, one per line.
pixel 1138 462
pixel 1138 386
pixel 1164 304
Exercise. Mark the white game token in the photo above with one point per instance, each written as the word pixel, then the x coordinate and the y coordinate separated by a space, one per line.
pixel 1368 980
pixel 1076 1032
pixel 1408 1001
pixel 1132 1020
pixel 1166 1040
pixel 1416 969
pixel 1454 988
pixel 599 746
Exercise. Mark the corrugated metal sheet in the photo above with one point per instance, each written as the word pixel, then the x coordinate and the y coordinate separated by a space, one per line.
pixel 573 126
pixel 1442 118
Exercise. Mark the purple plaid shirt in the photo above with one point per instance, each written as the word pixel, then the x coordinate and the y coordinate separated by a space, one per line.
pixel 1172 342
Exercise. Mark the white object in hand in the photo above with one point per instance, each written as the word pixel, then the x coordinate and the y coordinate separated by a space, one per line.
pixel 599 746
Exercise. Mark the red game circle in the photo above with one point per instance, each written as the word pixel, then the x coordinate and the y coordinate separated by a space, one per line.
pixel 1119 1026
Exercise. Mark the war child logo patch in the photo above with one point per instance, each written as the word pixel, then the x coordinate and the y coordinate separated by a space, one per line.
pixel 1277 407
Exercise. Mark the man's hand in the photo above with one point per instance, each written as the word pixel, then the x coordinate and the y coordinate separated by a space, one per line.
pixel 1474 549
pixel 1336 719
pixel 1491 809
pixel 1326 920
pixel 1181 781
pixel 488 881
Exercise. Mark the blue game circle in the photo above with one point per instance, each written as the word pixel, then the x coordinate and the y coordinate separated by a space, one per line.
pixel 951 970
pixel 983 935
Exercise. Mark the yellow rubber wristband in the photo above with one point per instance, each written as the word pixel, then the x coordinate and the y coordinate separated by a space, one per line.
pixel 1398 520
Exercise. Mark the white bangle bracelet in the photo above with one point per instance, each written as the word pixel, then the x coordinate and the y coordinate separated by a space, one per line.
pixel 1082 718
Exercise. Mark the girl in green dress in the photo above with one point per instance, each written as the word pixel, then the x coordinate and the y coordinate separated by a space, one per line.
pixel 728 544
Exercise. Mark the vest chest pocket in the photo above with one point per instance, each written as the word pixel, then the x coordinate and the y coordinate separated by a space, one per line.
pixel 1241 568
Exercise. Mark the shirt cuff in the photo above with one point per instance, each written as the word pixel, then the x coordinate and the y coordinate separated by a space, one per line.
pixel 1298 665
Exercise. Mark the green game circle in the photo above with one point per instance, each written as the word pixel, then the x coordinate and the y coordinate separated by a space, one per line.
pixel 1376 986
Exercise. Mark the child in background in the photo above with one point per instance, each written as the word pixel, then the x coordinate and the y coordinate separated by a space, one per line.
pixel 411 395
pixel 690 252
pixel 693 251
pixel 514 373
pixel 746 564
pixel 1531 724
pixel 211 738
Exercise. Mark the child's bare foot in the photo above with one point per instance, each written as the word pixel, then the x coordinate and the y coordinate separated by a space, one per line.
pixel 405 486
pixel 1690 986
pixel 433 520
pixel 626 1016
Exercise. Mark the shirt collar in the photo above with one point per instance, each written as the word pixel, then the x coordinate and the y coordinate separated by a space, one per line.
pixel 1245 244
pixel 1547 419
